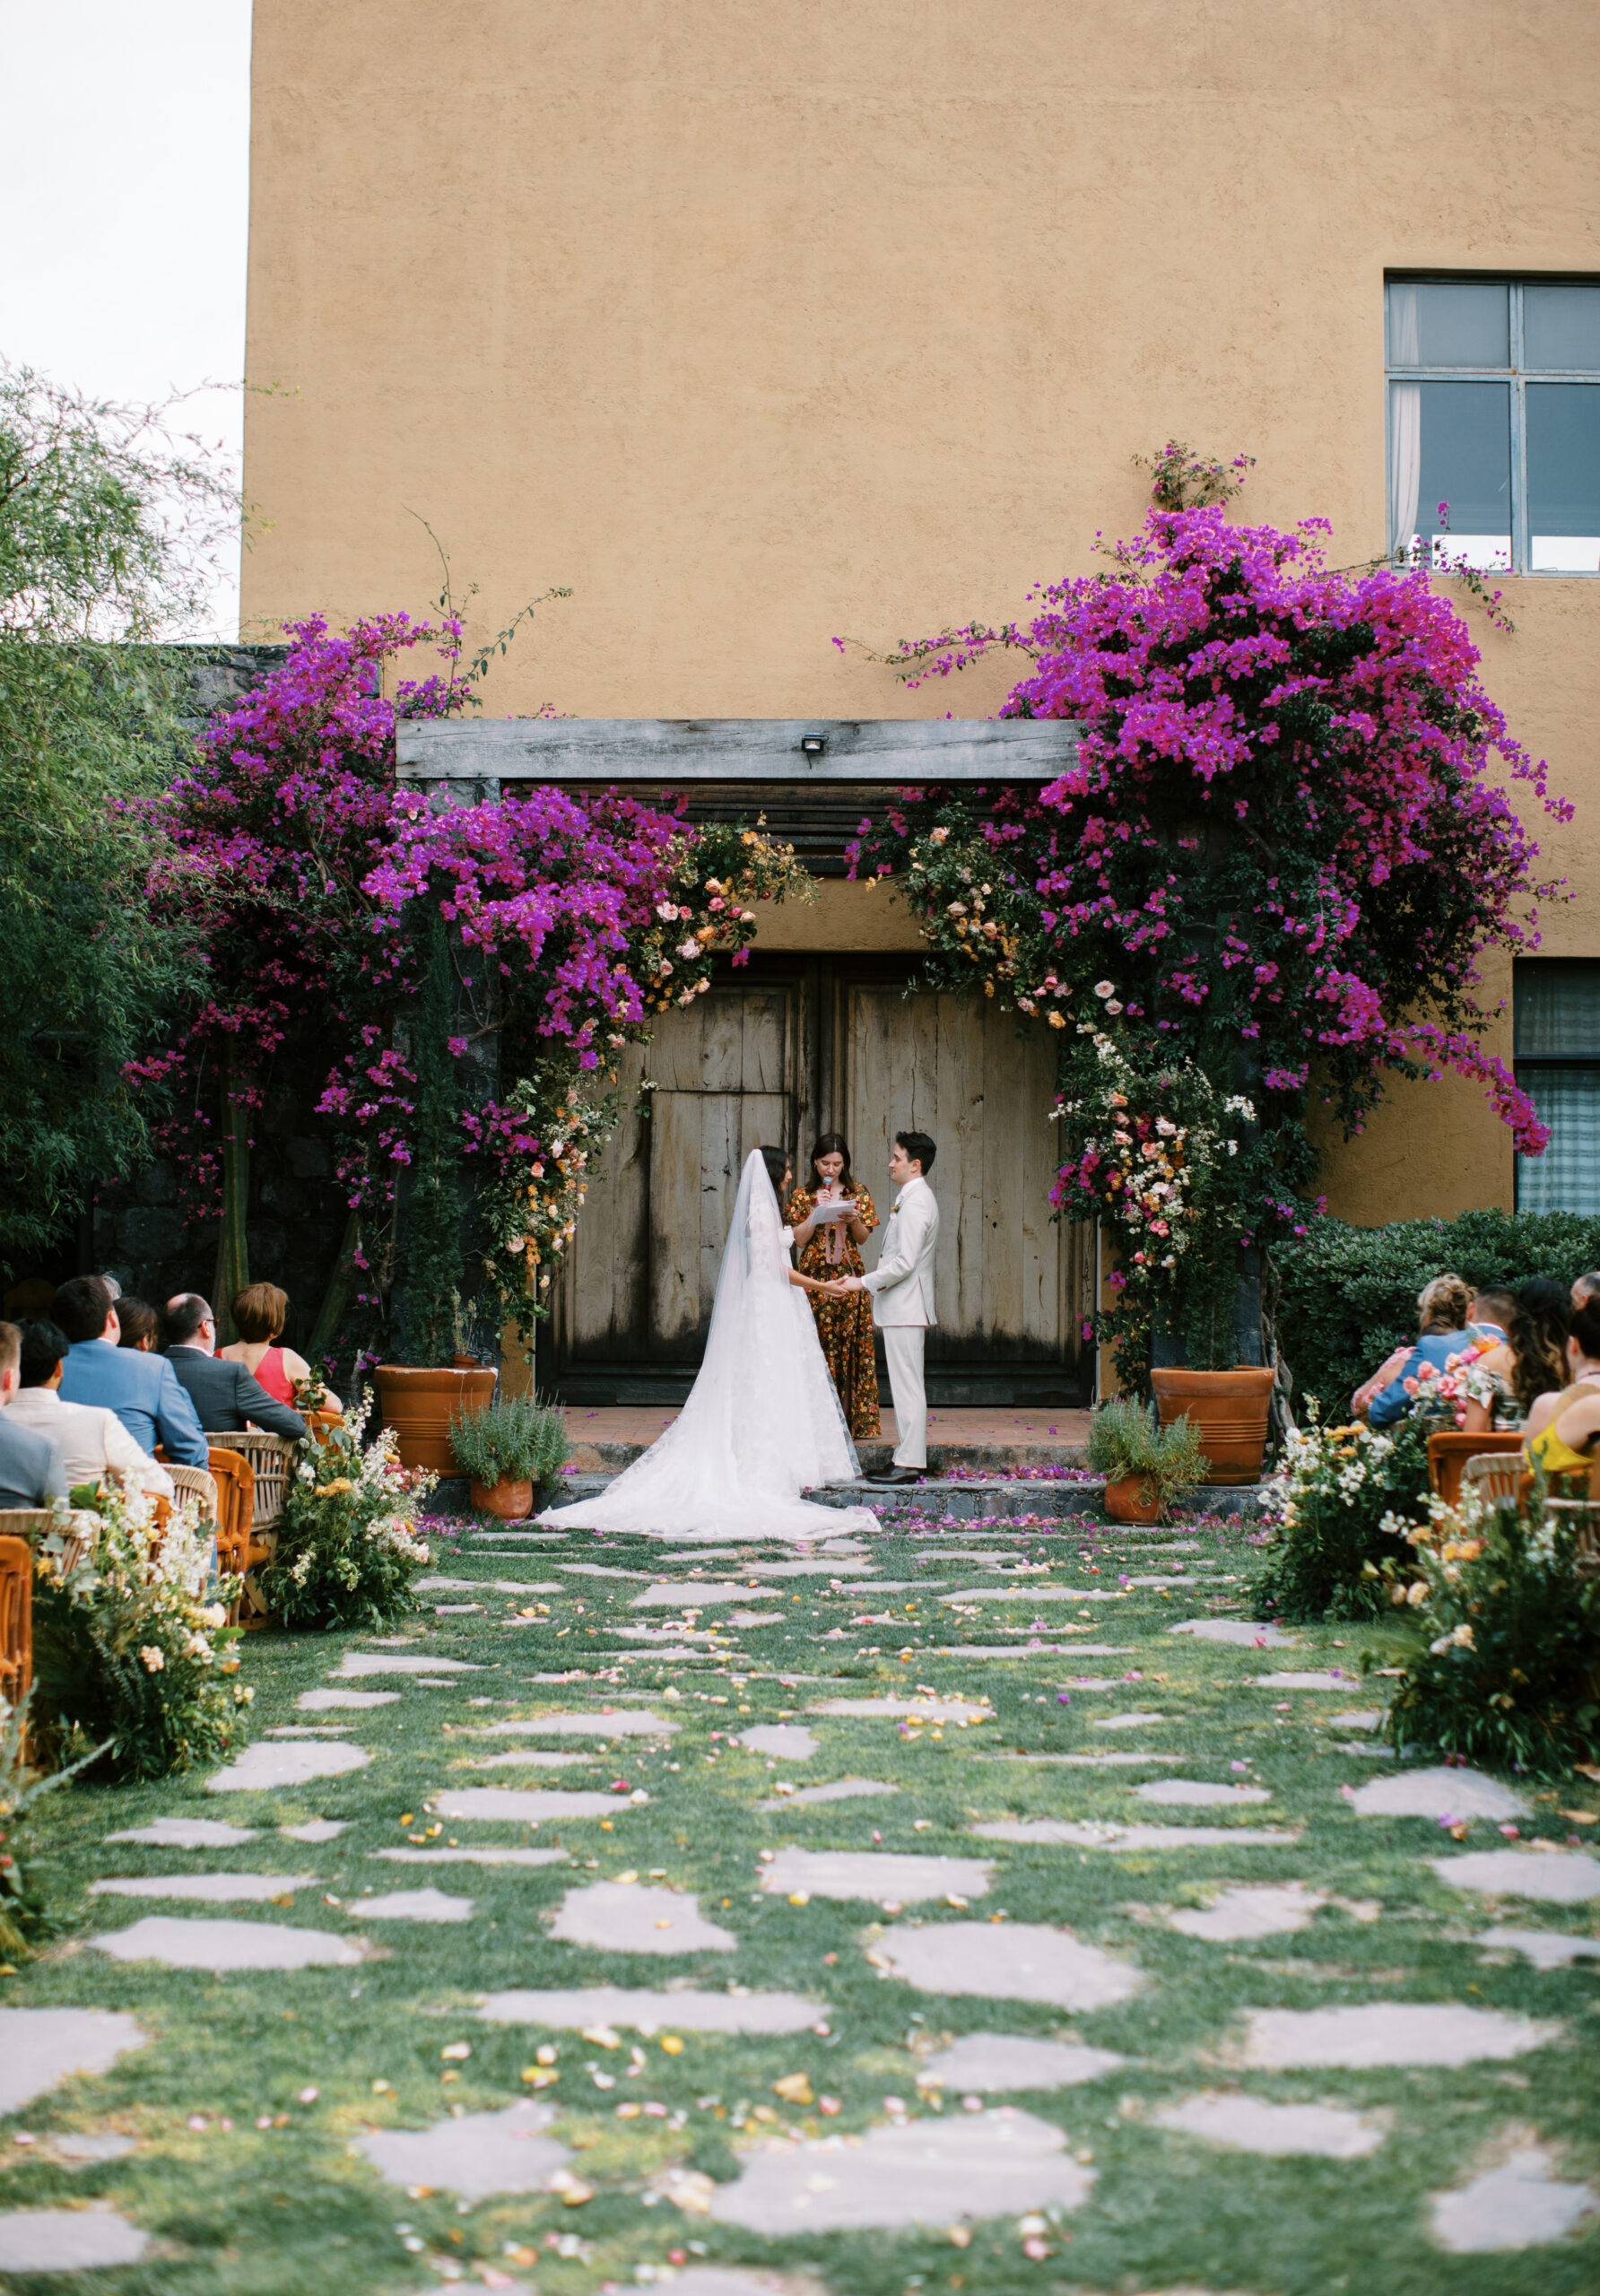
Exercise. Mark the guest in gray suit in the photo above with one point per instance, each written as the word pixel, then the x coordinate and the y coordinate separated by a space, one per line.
pixel 226 1395
pixel 31 1473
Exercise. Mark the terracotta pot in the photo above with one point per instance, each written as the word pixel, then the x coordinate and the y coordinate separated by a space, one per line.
pixel 1230 1408
pixel 419 1406
pixel 465 1363
pixel 1134 1498
pixel 509 1500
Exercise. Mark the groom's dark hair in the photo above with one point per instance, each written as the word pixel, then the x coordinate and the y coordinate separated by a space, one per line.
pixel 778 1163
pixel 919 1148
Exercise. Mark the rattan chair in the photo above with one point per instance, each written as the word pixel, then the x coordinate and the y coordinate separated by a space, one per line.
pixel 16 1618
pixel 271 1458
pixel 1493 1475
pixel 32 1524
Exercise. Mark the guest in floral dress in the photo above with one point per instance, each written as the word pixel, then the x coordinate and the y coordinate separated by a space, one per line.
pixel 828 1238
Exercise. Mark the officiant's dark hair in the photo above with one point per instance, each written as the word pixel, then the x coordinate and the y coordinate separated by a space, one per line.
pixel 777 1161
pixel 831 1143
pixel 919 1148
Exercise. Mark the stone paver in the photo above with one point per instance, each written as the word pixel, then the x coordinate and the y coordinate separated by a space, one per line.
pixel 1554 1879
pixel 41 2047
pixel 929 2173
pixel 479 2155
pixel 688 2011
pixel 68 2239
pixel 261 1766
pixel 1253 2125
pixel 1020 1961
pixel 1389 2032
pixel 623 1918
pixel 1521 2205
pixel 224 1944
pixel 1001 2061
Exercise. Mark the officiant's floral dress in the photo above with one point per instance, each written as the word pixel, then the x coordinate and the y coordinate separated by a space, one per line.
pixel 844 1327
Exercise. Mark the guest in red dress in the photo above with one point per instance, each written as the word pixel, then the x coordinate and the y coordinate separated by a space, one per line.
pixel 259 1315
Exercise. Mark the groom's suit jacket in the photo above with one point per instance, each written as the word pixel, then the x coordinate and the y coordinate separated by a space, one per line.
pixel 902 1283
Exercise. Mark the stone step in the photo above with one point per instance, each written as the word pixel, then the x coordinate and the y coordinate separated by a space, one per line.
pixel 970 1498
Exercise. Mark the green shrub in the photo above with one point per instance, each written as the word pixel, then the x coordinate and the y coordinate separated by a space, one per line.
pixel 1506 1639
pixel 1340 1502
pixel 136 1653
pixel 1350 1294
pixel 348 1542
pixel 1126 1439
pixel 516 1437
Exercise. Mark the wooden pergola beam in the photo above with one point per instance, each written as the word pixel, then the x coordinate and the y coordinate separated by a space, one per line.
pixel 792 751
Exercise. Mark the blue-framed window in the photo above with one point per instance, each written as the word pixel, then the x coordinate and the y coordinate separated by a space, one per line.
pixel 1494 423
pixel 1556 1005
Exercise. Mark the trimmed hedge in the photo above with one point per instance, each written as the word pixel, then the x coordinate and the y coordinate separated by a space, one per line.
pixel 1350 1294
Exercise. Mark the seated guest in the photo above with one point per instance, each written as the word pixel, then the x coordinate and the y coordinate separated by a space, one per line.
pixel 32 1472
pixel 1488 1319
pixel 1442 1310
pixel 1507 1382
pixel 1562 1428
pixel 225 1395
pixel 141 1325
pixel 259 1315
pixel 1584 1287
pixel 91 1439
pixel 139 1388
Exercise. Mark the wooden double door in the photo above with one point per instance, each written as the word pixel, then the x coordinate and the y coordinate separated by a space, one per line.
pixel 771 1056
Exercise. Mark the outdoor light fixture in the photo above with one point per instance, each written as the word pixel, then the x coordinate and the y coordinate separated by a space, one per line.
pixel 813 745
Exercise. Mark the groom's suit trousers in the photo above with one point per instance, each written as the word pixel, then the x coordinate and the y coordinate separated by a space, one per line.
pixel 902 1352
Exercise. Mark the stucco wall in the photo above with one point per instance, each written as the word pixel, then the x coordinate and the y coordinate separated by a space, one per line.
pixel 759 326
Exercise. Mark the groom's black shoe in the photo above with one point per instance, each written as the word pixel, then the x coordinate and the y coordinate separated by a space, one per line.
pixel 891 1473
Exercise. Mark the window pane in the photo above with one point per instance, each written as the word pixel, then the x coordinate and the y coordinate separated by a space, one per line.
pixel 1560 326
pixel 1450 470
pixel 1557 1010
pixel 1435 325
pixel 1564 476
pixel 1566 1177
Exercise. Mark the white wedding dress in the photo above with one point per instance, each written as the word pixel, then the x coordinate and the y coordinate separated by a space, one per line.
pixel 762 1422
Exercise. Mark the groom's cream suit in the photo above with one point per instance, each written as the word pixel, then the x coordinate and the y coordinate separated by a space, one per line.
pixel 903 1289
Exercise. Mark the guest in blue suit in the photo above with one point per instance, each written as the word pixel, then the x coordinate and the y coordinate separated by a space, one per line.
pixel 141 1389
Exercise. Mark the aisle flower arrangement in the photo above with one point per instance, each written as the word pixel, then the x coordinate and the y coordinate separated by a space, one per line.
pixel 1503 1609
pixel 348 1545
pixel 1340 1502
pixel 135 1651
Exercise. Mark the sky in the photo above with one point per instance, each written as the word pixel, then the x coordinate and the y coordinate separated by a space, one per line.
pixel 124 187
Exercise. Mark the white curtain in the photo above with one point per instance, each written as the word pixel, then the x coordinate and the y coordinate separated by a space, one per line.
pixel 1406 419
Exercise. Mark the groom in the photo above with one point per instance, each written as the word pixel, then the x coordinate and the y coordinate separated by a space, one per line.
pixel 903 1289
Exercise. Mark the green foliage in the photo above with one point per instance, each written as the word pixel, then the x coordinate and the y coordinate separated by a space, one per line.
pixel 107 525
pixel 1350 1294
pixel 24 1918
pixel 1339 1501
pixel 1128 1438
pixel 135 1652
pixel 348 1547
pixel 1506 1662
pixel 515 1436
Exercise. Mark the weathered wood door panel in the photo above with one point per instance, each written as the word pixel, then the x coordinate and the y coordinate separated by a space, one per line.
pixel 771 1058
pixel 717 1081
pixel 953 1067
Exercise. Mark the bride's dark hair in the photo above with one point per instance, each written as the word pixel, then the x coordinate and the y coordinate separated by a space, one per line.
pixel 832 1143
pixel 778 1163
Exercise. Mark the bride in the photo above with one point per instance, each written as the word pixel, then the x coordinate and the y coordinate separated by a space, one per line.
pixel 762 1422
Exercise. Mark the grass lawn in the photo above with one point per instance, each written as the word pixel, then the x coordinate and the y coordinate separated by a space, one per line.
pixel 246 2103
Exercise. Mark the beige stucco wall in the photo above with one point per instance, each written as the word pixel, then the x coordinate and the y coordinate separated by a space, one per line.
pixel 758 326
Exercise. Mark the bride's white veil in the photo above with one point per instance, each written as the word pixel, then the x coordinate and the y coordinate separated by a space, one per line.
pixel 762 1422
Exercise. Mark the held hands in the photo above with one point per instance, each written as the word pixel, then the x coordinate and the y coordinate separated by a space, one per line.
pixel 842 1286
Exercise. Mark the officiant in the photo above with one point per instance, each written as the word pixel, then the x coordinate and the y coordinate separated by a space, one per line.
pixel 833 1218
